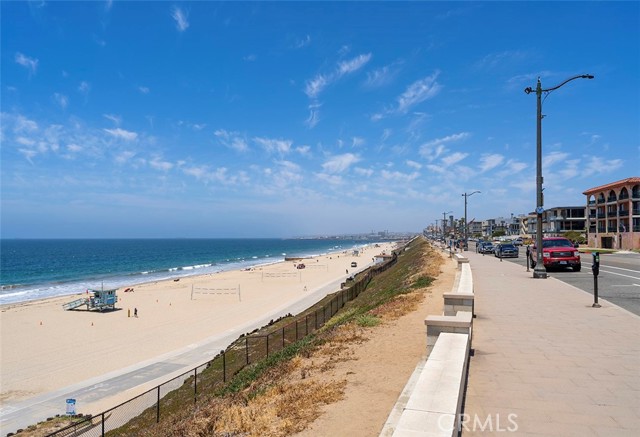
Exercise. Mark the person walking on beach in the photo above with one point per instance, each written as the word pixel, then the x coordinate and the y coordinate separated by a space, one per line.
pixel 135 312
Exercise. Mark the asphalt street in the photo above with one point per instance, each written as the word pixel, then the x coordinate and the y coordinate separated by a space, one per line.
pixel 618 281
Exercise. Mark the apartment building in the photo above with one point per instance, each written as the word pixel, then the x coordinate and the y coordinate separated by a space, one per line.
pixel 614 215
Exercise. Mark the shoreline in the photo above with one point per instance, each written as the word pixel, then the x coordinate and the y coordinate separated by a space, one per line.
pixel 45 348
pixel 136 278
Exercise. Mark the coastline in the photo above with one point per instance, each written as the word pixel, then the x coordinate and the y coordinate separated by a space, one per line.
pixel 120 264
pixel 45 348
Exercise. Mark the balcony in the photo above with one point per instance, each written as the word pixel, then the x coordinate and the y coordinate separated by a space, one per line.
pixel 636 212
pixel 611 229
pixel 636 229
pixel 601 200
pixel 601 230
pixel 601 215
pixel 624 213
pixel 592 230
pixel 592 202
pixel 611 199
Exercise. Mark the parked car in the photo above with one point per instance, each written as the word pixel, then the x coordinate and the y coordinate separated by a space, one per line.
pixel 557 252
pixel 354 264
pixel 518 241
pixel 485 247
pixel 506 250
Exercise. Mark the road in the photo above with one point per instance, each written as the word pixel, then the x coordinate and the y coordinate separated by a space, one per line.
pixel 618 281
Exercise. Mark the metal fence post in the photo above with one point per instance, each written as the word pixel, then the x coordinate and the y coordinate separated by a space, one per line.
pixel 158 409
pixel 102 424
pixel 195 385
pixel 224 366
pixel 267 345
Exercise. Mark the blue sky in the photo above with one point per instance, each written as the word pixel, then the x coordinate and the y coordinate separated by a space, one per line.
pixel 205 119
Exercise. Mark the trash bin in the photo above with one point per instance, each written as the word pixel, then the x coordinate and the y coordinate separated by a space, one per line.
pixel 71 407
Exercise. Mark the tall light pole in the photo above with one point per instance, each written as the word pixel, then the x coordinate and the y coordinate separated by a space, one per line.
pixel 539 271
pixel 466 223
pixel 444 224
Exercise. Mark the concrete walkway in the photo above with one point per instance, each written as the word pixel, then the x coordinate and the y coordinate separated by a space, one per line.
pixel 546 362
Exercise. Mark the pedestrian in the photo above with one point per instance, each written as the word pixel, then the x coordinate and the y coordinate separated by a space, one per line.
pixel 135 312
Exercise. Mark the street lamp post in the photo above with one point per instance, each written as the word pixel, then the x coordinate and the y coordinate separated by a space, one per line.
pixel 444 225
pixel 539 271
pixel 466 222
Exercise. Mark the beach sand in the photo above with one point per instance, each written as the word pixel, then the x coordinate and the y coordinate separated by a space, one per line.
pixel 45 348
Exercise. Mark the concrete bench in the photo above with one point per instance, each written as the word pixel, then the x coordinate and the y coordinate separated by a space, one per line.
pixel 461 259
pixel 461 298
pixel 461 323
pixel 435 404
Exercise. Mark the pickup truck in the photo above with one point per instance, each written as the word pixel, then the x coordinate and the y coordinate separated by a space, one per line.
pixel 557 252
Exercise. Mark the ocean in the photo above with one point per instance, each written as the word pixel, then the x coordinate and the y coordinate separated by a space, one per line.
pixel 35 269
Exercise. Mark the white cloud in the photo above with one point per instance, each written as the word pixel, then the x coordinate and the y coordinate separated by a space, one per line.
pixel 74 148
pixel 357 142
pixel 512 167
pixel 598 165
pixel 84 87
pixel 367 172
pixel 233 140
pixel 493 60
pixel 398 176
pixel 304 150
pixel 144 89
pixel 315 86
pixel 552 158
pixel 488 162
pixel 314 116
pixel 330 178
pixel 124 157
pixel 249 58
pixel 413 164
pixel 61 100
pixel 340 163
pixel 303 42
pixel 433 149
pixel 418 92
pixel 30 64
pixel 453 158
pixel 158 164
pixel 25 141
pixel 123 134
pixel 182 23
pixel 271 145
pixel 115 118
pixel 22 124
pixel 346 67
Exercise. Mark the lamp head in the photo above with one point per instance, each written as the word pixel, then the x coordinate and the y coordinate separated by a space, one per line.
pixel 528 90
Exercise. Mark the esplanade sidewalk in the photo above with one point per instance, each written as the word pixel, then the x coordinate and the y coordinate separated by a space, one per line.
pixel 546 362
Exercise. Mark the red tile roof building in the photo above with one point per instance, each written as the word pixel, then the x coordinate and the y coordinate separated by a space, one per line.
pixel 613 212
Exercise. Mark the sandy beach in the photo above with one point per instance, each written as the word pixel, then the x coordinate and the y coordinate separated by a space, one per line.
pixel 45 348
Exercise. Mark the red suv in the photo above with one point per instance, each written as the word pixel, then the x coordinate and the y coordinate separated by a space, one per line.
pixel 557 252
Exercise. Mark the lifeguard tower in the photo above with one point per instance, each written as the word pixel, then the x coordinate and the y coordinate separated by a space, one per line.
pixel 99 300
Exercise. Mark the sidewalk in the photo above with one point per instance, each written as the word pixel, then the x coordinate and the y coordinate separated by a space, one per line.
pixel 546 362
